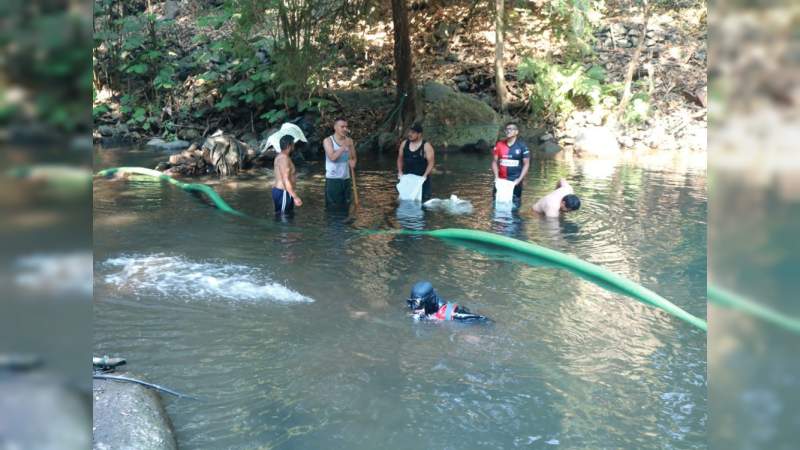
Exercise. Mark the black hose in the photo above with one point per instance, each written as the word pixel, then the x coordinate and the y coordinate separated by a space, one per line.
pixel 143 383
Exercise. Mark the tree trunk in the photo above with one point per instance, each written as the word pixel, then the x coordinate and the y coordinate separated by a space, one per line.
pixel 499 72
pixel 402 66
pixel 634 62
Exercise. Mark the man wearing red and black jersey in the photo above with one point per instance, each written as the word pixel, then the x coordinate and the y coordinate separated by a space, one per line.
pixel 511 161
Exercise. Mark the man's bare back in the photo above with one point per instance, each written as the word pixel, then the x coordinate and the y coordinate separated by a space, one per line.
pixel 284 169
pixel 283 193
pixel 552 204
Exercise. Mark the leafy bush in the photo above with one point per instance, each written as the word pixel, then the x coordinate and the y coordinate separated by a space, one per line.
pixel 269 65
pixel 574 20
pixel 638 109
pixel 557 90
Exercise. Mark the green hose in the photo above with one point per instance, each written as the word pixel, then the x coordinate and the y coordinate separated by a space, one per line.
pixel 189 187
pixel 588 269
pixel 730 300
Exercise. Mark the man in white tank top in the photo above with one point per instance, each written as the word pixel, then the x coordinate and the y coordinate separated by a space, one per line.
pixel 340 159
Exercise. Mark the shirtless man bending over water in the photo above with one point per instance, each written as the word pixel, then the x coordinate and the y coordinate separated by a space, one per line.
pixel 562 199
pixel 283 194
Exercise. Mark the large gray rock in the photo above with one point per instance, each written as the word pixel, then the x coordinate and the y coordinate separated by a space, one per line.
pixel 129 416
pixel 550 148
pixel 106 130
pixel 454 120
pixel 173 146
pixel 189 134
pixel 599 142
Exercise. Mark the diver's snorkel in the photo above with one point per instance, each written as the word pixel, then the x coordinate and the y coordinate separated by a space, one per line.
pixel 414 303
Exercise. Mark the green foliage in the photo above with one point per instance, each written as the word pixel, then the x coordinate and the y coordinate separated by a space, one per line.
pixel 638 109
pixel 574 20
pixel 557 90
pixel 99 110
pixel 44 55
pixel 215 19
pixel 165 79
pixel 268 65
pixel 274 116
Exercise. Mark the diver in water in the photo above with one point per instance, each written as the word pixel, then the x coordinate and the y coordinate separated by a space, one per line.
pixel 427 305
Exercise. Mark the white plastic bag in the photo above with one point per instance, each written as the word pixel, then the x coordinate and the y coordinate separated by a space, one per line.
pixel 410 187
pixel 504 197
pixel 452 205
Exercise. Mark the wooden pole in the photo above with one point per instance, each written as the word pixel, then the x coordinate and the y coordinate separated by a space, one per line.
pixel 355 188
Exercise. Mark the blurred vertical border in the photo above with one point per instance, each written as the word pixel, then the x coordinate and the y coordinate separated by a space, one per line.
pixel 754 213
pixel 45 224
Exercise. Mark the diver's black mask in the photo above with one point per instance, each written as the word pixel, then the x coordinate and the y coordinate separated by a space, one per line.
pixel 423 296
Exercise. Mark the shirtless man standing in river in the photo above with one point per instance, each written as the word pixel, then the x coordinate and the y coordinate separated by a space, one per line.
pixel 561 200
pixel 283 194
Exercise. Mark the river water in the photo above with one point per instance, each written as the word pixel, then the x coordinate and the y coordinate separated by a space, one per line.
pixel 294 334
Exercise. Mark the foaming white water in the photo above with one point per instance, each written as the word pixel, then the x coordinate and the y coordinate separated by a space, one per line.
pixel 175 276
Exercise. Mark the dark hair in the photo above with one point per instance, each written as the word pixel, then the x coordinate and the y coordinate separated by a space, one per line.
pixel 339 119
pixel 512 124
pixel 416 127
pixel 285 142
pixel 571 202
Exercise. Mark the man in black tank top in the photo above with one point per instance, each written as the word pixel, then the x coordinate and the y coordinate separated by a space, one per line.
pixel 415 156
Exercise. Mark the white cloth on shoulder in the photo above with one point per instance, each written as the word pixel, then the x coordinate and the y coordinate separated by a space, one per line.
pixel 287 129
pixel 410 187
pixel 504 197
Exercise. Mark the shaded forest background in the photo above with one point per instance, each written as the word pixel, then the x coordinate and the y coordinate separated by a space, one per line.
pixel 182 69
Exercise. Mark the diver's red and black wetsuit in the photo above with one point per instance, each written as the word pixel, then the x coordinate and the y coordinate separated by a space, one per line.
pixel 427 305
pixel 451 311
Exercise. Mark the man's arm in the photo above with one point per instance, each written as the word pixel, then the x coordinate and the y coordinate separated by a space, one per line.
pixel 495 170
pixel 332 154
pixel 400 159
pixel 431 159
pixel 537 207
pixel 526 164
